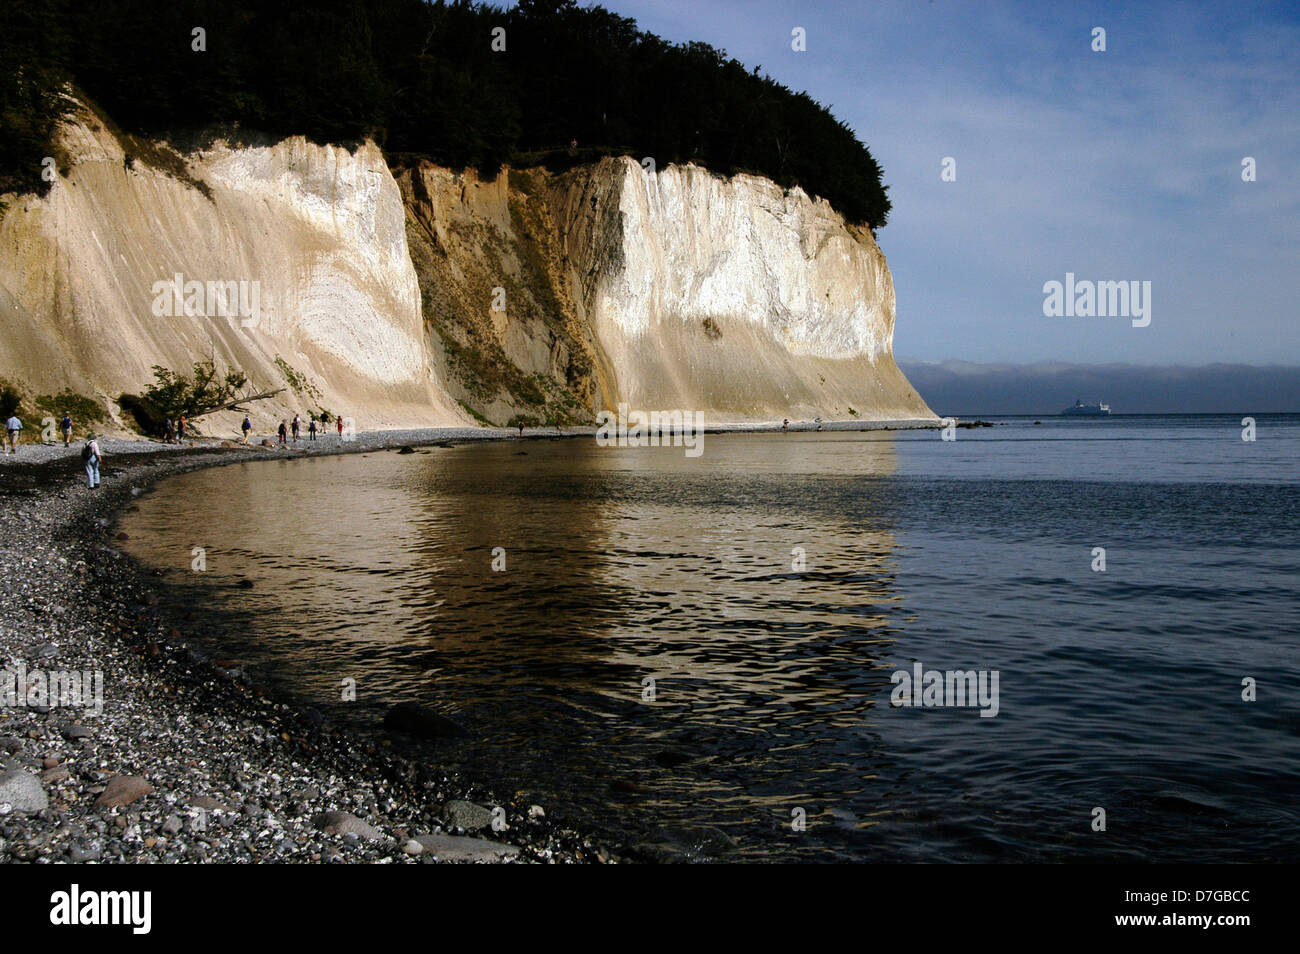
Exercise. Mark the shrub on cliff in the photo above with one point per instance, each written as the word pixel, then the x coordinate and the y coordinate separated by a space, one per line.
pixel 84 410
pixel 10 400
pixel 149 418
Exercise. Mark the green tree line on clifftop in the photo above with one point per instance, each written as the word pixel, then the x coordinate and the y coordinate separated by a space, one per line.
pixel 424 81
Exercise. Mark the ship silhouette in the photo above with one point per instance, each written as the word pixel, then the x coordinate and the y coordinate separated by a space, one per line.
pixel 1087 410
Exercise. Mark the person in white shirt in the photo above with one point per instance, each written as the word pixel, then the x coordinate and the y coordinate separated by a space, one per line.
pixel 13 426
pixel 90 454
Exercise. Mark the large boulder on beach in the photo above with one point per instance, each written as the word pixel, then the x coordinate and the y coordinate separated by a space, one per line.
pixel 345 823
pixel 420 721
pixel 23 792
pixel 467 815
pixel 459 848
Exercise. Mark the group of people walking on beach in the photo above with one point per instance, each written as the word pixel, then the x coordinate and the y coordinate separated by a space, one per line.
pixel 295 427
pixel 90 452
pixel 14 428
pixel 174 431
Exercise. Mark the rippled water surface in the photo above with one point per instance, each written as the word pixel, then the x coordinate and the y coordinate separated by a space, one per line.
pixel 1119 689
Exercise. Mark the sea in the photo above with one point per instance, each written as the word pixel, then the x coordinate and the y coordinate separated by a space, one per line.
pixel 1049 639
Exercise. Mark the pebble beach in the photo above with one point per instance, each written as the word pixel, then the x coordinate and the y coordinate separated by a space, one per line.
pixel 188 761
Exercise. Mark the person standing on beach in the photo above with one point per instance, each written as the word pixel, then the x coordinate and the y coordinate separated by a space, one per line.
pixel 297 427
pixel 246 427
pixel 169 431
pixel 180 430
pixel 284 433
pixel 90 454
pixel 12 427
pixel 311 428
pixel 340 423
pixel 785 425
pixel 66 426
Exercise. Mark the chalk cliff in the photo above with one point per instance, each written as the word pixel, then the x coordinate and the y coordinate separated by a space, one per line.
pixel 425 296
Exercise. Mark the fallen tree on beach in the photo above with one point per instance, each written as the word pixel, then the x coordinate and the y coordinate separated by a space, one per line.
pixel 205 391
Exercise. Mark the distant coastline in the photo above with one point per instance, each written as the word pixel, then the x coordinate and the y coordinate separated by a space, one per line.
pixel 1044 388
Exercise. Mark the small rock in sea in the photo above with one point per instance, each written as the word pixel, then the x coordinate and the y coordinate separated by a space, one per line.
pixel 172 825
pixel 122 535
pixel 244 584
pixel 412 847
pixel 407 450
pixel 711 841
pixel 123 790
pixel 457 848
pixel 624 785
pixel 662 853
pixel 415 719
pixel 467 815
pixel 345 823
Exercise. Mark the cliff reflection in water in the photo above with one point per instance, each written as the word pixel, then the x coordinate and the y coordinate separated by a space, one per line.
pixel 622 566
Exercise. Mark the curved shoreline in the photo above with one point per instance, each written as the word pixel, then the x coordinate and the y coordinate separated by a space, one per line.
pixel 235 773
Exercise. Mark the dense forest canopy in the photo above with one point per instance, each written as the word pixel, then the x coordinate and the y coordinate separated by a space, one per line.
pixel 424 81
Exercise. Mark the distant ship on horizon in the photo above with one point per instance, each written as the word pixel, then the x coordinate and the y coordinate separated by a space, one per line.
pixel 1087 410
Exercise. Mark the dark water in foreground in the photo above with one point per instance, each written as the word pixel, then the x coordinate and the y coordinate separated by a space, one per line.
pixel 1120 690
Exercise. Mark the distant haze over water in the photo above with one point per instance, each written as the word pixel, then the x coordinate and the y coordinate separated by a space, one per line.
pixel 963 387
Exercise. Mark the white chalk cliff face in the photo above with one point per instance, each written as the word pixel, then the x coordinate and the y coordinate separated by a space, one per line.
pixel 318 232
pixel 678 290
pixel 732 296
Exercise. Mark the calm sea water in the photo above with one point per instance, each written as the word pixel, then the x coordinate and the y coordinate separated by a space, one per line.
pixel 1119 690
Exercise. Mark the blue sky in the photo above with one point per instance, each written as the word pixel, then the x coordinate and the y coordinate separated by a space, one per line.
pixel 1122 165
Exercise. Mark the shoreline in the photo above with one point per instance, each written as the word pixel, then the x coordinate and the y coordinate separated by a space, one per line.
pixel 39 452
pixel 228 772
pixel 189 761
